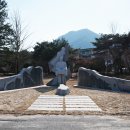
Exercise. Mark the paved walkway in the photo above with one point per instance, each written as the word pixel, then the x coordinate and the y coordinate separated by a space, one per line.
pixel 48 103
pixel 66 103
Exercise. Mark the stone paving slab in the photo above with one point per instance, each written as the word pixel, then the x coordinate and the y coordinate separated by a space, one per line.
pixel 81 106
pixel 49 100
pixel 67 103
pixel 83 109
pixel 82 99
pixel 80 103
pixel 45 109
pixel 43 96
pixel 79 100
pixel 75 96
pixel 84 103
pixel 48 103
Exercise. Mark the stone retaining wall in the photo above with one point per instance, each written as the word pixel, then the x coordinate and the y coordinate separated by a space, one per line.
pixel 28 77
pixel 91 78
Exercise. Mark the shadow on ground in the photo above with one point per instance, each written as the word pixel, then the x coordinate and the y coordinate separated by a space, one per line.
pixel 45 89
pixel 100 89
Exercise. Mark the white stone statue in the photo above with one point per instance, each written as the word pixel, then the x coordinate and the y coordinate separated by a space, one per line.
pixel 61 71
pixel 59 67
pixel 53 62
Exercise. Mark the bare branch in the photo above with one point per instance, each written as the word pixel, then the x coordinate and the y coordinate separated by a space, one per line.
pixel 114 28
pixel 20 34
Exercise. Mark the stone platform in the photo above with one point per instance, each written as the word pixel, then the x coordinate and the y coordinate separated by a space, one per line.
pixel 80 103
pixel 64 103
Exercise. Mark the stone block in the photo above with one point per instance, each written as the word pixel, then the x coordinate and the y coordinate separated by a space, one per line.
pixel 18 83
pixel 28 77
pixel 37 75
pixel 92 79
pixel 62 90
pixel 53 82
pixel 27 80
pixel 10 86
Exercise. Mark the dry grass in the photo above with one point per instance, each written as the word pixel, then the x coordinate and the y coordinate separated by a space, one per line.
pixel 111 103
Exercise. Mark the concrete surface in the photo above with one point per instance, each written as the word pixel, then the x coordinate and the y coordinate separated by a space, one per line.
pixel 58 122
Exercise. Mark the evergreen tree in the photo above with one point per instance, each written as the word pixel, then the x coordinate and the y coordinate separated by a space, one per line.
pixel 117 45
pixel 5 28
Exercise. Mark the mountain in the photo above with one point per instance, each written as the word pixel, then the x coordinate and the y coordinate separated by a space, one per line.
pixel 81 38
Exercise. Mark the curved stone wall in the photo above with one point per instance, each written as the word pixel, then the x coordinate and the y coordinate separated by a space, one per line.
pixel 91 78
pixel 28 77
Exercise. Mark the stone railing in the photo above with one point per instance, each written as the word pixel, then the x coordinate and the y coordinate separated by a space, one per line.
pixel 91 78
pixel 28 77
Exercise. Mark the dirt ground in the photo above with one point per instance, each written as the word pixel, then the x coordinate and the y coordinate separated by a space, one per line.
pixel 111 103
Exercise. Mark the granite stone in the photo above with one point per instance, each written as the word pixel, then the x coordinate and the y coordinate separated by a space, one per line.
pixel 28 77
pixel 62 90
pixel 58 65
pixel 92 79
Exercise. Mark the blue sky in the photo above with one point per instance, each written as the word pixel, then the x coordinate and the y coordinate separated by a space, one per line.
pixel 48 19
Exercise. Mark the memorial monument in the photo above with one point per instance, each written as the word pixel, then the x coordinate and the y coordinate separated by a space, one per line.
pixel 92 79
pixel 58 65
pixel 28 77
pixel 61 71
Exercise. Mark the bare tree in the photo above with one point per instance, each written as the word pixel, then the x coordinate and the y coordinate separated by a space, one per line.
pixel 114 28
pixel 20 34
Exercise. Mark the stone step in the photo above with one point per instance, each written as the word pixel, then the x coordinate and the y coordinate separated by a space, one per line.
pixel 69 101
pixel 49 100
pixel 45 109
pixel 83 109
pixel 48 103
pixel 79 98
pixel 72 103
pixel 76 96
pixel 80 103
pixel 47 106
pixel 80 106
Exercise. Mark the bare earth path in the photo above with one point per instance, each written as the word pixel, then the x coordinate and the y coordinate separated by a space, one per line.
pixel 111 103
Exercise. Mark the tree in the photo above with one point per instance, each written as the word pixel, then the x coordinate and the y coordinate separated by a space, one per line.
pixel 5 28
pixel 103 42
pixel 113 28
pixel 5 38
pixel 116 44
pixel 19 37
pixel 25 58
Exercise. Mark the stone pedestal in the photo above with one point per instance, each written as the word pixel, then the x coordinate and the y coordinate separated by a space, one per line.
pixel 62 90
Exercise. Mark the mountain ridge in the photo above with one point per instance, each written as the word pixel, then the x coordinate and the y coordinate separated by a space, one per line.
pixel 81 38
